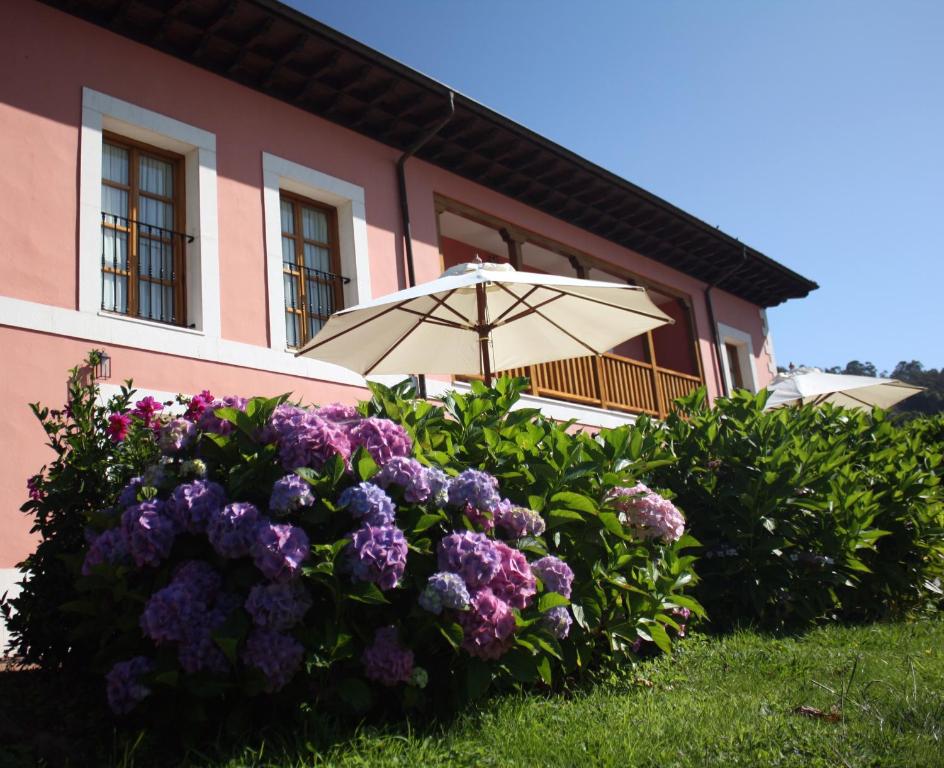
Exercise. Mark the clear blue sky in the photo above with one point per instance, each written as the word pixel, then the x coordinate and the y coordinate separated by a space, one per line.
pixel 812 130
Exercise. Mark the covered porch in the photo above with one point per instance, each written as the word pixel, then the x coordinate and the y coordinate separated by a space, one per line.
pixel 642 375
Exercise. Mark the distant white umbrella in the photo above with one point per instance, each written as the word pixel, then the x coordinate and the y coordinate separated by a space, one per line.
pixel 811 385
pixel 480 318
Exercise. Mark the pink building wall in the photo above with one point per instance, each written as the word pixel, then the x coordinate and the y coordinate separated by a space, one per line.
pixel 48 57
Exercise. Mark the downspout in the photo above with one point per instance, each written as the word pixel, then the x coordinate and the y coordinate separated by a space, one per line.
pixel 401 183
pixel 420 380
pixel 719 352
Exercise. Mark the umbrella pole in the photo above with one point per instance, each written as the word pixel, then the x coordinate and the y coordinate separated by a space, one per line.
pixel 483 330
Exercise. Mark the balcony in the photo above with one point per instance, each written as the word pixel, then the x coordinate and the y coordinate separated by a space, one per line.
pixel 609 381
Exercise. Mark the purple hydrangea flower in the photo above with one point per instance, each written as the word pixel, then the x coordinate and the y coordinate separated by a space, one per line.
pixel 232 530
pixel 173 612
pixel 200 579
pixel 476 494
pixel 518 521
pixel 278 606
pixel 176 435
pixel 513 583
pixel 149 533
pixel 129 494
pixel 283 419
pixel 648 514
pixel 409 475
pixel 444 590
pixel 277 656
pixel 472 555
pixel 378 554
pixel 487 626
pixel 555 574
pixel 439 483
pixel 368 502
pixel 339 414
pixel 279 550
pixel 198 650
pixel 289 494
pixel 310 441
pixel 123 684
pixel 558 621
pixel 381 438
pixel 109 547
pixel 192 505
pixel 385 660
pixel 209 422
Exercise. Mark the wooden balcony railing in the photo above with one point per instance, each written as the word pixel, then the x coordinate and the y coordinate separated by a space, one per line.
pixel 609 381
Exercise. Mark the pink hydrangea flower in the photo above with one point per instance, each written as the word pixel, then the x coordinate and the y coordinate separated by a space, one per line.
pixel 381 438
pixel 513 583
pixel 488 626
pixel 649 515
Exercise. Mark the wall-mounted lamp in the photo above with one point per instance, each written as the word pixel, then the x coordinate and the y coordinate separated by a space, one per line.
pixel 102 369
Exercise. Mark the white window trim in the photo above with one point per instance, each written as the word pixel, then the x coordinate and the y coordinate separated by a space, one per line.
pixel 281 174
pixel 745 347
pixel 101 112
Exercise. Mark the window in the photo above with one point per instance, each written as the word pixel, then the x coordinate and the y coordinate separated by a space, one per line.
pixel 310 267
pixel 143 247
pixel 734 365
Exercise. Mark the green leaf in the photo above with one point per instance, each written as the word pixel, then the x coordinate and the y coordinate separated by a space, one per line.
pixel 577 501
pixel 660 637
pixel 453 634
pixel 544 670
pixel 426 521
pixel 366 466
pixel 551 600
pixel 366 592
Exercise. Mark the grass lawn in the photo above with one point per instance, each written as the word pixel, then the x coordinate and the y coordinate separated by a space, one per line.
pixel 875 696
pixel 729 701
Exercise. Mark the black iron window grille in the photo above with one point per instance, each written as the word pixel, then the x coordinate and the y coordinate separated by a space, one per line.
pixel 311 297
pixel 142 269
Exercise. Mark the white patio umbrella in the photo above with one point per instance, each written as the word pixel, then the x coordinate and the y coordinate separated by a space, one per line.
pixel 811 385
pixel 480 318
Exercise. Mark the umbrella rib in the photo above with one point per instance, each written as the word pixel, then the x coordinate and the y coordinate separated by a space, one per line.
pixel 435 320
pixel 531 310
pixel 442 302
pixel 518 301
pixel 558 327
pixel 608 304
pixel 845 393
pixel 312 345
pixel 392 347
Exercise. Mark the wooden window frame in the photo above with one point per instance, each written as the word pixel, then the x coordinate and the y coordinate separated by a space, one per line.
pixel 334 255
pixel 178 240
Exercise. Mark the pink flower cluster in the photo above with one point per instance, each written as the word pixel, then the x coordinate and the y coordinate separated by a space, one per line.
pixel 649 515
pixel 498 578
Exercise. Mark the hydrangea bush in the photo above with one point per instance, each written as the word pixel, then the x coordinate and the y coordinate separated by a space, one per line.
pixel 400 553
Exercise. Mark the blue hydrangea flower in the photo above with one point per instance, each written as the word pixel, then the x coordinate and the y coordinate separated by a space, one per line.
pixel 471 555
pixel 191 505
pixel 444 590
pixel 148 532
pixel 369 503
pixel 279 550
pixel 555 574
pixel 476 494
pixel 558 621
pixel 289 494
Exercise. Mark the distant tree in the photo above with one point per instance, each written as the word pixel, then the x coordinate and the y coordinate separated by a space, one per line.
pixel 855 368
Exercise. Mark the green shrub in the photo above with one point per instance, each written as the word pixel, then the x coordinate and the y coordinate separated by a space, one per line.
pixel 805 512
pixel 219 563
pixel 88 470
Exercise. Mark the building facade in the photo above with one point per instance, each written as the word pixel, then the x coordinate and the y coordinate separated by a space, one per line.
pixel 195 186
